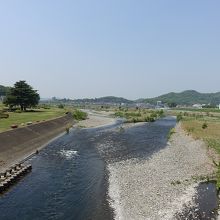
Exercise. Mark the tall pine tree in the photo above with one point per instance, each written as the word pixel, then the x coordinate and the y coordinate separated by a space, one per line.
pixel 22 95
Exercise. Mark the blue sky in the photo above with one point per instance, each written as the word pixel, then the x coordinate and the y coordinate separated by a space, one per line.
pixel 94 48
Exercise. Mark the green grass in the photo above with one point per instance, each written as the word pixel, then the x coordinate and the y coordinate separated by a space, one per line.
pixel 24 117
pixel 171 132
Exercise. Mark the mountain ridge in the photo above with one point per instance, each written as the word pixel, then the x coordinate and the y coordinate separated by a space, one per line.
pixel 187 97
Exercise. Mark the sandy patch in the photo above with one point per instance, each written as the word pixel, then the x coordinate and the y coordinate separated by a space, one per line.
pixel 96 119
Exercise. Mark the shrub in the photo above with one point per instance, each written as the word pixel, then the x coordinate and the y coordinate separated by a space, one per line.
pixel 4 115
pixel 79 115
pixel 151 119
pixel 161 113
pixel 171 132
pixel 153 115
pixel 18 111
pixel 132 114
pixel 186 114
pixel 147 119
pixel 204 125
pixel 190 129
pixel 134 120
pixel 119 114
pixel 179 117
pixel 60 106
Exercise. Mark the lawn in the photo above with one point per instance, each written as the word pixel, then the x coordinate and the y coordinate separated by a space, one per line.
pixel 36 116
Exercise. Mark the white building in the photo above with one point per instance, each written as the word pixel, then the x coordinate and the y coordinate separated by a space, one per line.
pixel 199 106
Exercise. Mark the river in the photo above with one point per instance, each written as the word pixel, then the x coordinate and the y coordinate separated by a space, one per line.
pixel 70 179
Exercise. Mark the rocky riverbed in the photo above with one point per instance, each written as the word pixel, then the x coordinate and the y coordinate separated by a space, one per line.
pixel 162 186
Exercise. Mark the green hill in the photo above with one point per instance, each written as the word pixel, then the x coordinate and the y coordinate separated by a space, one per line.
pixel 188 97
pixel 103 100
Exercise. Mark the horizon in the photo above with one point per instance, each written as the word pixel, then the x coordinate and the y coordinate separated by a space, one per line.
pixel 126 49
pixel 131 99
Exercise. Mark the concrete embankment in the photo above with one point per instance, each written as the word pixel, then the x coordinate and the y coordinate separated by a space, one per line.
pixel 16 145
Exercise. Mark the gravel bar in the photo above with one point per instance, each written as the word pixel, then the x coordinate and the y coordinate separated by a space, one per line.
pixel 162 185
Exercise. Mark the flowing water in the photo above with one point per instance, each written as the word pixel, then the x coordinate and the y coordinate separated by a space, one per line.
pixel 69 179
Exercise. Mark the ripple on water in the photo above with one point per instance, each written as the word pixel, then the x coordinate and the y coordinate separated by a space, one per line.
pixel 68 154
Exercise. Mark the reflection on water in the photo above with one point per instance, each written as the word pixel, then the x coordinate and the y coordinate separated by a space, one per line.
pixel 69 178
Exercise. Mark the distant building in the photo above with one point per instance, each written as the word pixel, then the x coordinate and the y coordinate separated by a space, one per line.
pixel 198 106
pixel 2 98
pixel 219 106
pixel 160 105
pixel 145 105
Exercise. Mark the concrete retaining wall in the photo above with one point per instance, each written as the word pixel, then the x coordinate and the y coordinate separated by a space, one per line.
pixel 17 144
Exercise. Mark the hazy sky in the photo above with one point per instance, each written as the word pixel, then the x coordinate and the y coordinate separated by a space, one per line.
pixel 93 48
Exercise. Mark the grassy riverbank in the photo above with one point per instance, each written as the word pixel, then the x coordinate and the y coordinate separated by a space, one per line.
pixel 34 116
pixel 42 113
pixel 204 125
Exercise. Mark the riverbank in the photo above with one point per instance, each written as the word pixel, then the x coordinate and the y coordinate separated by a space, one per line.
pixel 163 185
pixel 18 144
pixel 96 119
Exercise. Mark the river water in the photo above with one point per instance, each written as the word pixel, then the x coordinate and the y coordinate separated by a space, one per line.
pixel 69 179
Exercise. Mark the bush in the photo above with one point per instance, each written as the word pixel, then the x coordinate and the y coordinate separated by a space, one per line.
pixel 179 117
pixel 147 119
pixel 186 114
pixel 160 113
pixel 134 120
pixel 132 114
pixel 119 114
pixel 190 130
pixel 204 125
pixel 79 115
pixel 18 111
pixel 153 115
pixel 4 115
pixel 60 106
pixel 171 132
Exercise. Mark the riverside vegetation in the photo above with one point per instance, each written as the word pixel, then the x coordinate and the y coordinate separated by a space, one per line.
pixel 205 125
pixel 139 115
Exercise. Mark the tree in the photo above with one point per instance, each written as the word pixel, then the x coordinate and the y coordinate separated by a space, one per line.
pixel 172 104
pixel 3 90
pixel 22 95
